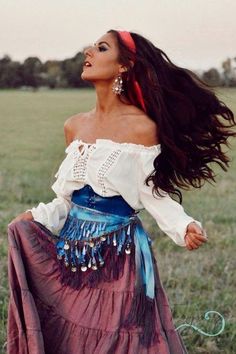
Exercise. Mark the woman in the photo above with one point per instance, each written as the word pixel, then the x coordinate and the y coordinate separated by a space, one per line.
pixel 83 278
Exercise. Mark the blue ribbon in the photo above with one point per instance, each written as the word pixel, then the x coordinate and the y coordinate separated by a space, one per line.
pixel 143 259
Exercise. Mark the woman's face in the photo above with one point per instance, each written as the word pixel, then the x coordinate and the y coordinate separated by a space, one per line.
pixel 103 57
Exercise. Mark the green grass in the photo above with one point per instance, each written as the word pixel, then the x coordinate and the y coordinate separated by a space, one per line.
pixel 32 147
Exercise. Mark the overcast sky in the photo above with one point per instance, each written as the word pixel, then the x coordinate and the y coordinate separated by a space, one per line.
pixel 197 34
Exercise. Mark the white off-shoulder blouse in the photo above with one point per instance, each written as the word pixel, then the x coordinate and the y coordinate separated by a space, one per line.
pixel 112 168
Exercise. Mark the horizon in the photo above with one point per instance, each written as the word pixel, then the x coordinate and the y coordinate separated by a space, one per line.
pixel 193 33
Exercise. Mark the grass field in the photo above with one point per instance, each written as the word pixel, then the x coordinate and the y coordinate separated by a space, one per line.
pixel 32 146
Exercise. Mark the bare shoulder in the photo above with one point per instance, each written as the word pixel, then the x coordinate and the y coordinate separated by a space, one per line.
pixel 145 130
pixel 74 120
pixel 72 124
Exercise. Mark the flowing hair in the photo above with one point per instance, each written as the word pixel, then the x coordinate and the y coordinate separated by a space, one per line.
pixel 192 122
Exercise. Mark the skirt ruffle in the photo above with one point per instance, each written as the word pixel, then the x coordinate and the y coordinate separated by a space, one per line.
pixel 48 317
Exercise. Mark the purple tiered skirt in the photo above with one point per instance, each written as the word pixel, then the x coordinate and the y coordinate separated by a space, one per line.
pixel 47 315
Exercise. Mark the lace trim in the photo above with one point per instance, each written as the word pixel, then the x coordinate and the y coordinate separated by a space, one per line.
pixel 103 170
pixel 81 159
pixel 126 146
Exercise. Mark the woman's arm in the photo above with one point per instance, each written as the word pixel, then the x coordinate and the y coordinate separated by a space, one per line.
pixel 53 214
pixel 170 216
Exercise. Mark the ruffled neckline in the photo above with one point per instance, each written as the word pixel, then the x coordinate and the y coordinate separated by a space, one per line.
pixel 129 146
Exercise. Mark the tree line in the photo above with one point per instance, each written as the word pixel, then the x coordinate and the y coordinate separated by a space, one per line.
pixel 67 73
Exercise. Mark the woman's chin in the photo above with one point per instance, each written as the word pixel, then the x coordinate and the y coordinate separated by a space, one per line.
pixel 84 76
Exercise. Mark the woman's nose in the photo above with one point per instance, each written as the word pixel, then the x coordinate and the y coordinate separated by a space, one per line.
pixel 88 50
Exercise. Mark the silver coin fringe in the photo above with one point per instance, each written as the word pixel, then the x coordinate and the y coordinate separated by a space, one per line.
pixel 81 242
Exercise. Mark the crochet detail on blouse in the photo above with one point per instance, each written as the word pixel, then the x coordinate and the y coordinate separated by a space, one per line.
pixel 81 158
pixel 104 169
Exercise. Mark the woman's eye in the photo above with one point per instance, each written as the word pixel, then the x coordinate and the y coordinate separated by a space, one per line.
pixel 102 48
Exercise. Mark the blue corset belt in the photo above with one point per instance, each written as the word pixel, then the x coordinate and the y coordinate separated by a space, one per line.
pixel 95 224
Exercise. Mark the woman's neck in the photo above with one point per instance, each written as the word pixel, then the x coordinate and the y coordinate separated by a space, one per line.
pixel 107 103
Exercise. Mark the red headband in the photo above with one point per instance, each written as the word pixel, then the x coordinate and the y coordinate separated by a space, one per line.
pixel 129 42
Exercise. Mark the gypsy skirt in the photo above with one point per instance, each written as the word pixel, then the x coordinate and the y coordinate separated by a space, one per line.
pixel 93 289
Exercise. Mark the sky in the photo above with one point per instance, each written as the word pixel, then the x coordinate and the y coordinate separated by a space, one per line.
pixel 197 34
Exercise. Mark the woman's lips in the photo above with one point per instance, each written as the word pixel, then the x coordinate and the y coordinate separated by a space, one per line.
pixel 87 64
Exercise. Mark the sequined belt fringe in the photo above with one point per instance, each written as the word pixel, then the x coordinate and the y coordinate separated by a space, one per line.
pixel 86 232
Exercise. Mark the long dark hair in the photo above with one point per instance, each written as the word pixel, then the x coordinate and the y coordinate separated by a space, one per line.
pixel 192 122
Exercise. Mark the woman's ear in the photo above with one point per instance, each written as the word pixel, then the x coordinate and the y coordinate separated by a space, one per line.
pixel 123 69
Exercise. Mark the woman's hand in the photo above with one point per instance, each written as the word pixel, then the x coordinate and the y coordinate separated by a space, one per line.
pixel 27 215
pixel 195 236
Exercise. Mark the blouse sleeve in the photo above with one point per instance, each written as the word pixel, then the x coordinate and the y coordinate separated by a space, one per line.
pixel 53 214
pixel 169 214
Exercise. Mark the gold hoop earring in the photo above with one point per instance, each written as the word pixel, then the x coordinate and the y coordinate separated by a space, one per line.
pixel 117 87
